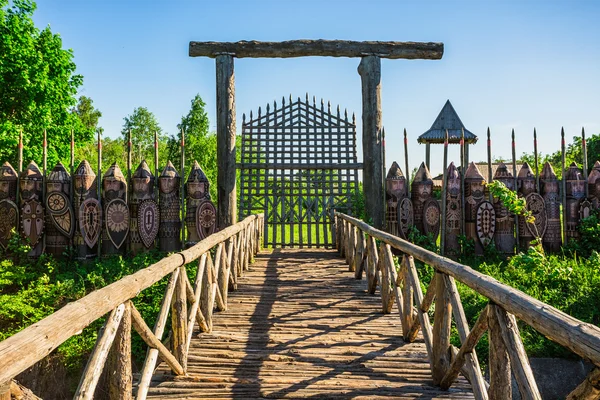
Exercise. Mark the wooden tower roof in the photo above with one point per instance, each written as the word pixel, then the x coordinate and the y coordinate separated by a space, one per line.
pixel 449 120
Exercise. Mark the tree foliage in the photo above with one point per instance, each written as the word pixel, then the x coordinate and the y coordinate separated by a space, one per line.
pixel 38 87
pixel 143 125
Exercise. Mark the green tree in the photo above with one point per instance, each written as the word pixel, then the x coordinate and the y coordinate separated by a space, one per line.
pixel 143 125
pixel 38 87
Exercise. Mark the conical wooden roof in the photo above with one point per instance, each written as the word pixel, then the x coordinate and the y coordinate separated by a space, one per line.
pixel 114 172
pixel 32 172
pixel 59 174
pixel 196 174
pixel 449 120
pixel 7 172
pixel 547 172
pixel 473 173
pixel 422 174
pixel 169 171
pixel 525 172
pixel 573 173
pixel 594 173
pixel 84 169
pixel 502 172
pixel 452 172
pixel 143 171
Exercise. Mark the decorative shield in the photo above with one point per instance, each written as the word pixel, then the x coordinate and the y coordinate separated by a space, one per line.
pixel 537 205
pixel 32 221
pixel 405 217
pixel 206 218
pixel 90 221
pixel 9 217
pixel 585 208
pixel 486 223
pixel 148 222
pixel 431 218
pixel 61 213
pixel 117 221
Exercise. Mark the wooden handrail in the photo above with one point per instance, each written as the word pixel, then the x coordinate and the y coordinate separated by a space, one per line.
pixel 579 337
pixel 32 344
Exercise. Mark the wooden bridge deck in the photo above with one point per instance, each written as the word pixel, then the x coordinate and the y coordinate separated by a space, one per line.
pixel 301 326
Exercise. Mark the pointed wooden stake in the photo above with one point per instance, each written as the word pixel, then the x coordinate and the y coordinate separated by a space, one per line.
pixel 585 163
pixel 564 183
pixel 514 167
pixel 535 155
pixel 406 171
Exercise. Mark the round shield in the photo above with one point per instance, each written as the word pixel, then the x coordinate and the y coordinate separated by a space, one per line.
pixel 57 203
pixel 148 222
pixel 90 221
pixel 9 217
pixel 537 206
pixel 32 221
pixel 117 221
pixel 206 218
pixel 431 218
pixel 486 223
pixel 405 217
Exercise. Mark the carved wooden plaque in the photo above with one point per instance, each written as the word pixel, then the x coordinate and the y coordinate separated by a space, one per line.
pixel 536 204
pixel 32 220
pixel 61 213
pixel 9 217
pixel 90 221
pixel 486 223
pixel 117 221
pixel 206 219
pixel 585 208
pixel 148 221
pixel 405 217
pixel 431 218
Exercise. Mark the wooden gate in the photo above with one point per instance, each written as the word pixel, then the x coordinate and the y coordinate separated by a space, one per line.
pixel 298 165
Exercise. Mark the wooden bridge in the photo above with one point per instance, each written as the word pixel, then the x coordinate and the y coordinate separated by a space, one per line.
pixel 298 324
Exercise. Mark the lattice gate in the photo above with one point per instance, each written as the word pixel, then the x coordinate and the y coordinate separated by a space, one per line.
pixel 298 164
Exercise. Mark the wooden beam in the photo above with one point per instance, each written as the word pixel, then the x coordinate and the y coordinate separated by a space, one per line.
pixel 227 201
pixel 373 179
pixel 442 323
pixel 589 389
pixel 323 48
pixel 500 371
pixel 579 337
pixel 118 367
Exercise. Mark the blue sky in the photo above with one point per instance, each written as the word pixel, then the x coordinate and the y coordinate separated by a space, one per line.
pixel 506 65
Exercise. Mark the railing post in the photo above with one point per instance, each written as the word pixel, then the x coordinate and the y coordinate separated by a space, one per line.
pixel 442 322
pixel 119 371
pixel 359 255
pixel 500 376
pixel 179 319
pixel 372 263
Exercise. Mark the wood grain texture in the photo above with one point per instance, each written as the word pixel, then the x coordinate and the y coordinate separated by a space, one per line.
pixel 118 366
pixel 325 48
pixel 579 337
pixel 301 326
pixel 589 389
pixel 500 371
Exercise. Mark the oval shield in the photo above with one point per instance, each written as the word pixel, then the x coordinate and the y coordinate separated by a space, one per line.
pixel 148 222
pixel 206 218
pixel 9 217
pixel 431 218
pixel 536 204
pixel 90 221
pixel 32 221
pixel 61 213
pixel 117 221
pixel 405 217
pixel 486 223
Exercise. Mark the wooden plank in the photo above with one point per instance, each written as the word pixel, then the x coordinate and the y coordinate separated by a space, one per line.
pixel 95 364
pixel 468 345
pixel 146 334
pixel 589 389
pixel 373 179
pixel 324 48
pixel 226 177
pixel 179 318
pixel 579 337
pixel 442 322
pixel 499 361
pixel 120 379
pixel 518 358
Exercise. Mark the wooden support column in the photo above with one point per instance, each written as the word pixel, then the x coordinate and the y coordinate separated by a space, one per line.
pixel 227 200
pixel 119 370
pixel 500 371
pixel 428 156
pixel 369 70
pixel 442 323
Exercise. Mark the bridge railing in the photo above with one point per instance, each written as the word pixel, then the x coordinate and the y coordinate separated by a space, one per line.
pixel 219 260
pixel 357 242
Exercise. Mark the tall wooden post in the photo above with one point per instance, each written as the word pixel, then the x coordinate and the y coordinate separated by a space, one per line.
pixel 514 167
pixel 99 184
pixel 226 194
pixel 444 200
pixel 428 155
pixel 182 190
pixel 585 163
pixel 535 157
pixel 369 70
pixel 563 183
pixel 489 158
pixel 406 170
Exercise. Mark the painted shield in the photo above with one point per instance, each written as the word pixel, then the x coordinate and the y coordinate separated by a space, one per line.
pixel 585 208
pixel 206 219
pixel 61 213
pixel 9 218
pixel 431 218
pixel 148 222
pixel 486 223
pixel 537 205
pixel 117 222
pixel 90 221
pixel 32 221
pixel 405 217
